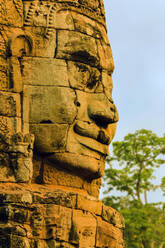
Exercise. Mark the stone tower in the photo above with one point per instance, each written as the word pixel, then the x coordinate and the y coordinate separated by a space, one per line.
pixel 57 119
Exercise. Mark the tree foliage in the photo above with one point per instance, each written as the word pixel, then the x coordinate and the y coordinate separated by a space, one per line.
pixel 131 172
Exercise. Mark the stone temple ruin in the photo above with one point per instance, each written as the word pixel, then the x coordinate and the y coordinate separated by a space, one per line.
pixel 57 119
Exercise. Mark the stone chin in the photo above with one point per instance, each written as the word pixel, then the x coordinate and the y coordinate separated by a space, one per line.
pixel 84 156
pixel 84 166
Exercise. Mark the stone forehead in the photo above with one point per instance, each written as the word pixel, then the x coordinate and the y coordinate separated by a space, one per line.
pixel 91 8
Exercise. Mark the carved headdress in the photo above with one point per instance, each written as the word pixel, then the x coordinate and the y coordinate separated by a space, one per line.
pixel 91 8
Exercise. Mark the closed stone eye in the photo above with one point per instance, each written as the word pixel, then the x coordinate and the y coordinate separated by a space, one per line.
pixel 94 79
pixel 82 68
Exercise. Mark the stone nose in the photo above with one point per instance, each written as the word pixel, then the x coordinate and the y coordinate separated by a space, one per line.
pixel 103 112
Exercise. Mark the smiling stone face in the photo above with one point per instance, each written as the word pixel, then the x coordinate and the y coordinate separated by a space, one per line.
pixel 69 81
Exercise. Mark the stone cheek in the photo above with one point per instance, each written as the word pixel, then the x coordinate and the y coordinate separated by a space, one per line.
pixel 51 104
pixel 50 137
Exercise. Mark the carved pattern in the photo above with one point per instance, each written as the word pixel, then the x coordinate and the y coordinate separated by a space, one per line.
pixel 50 8
pixel 41 14
pixel 30 13
pixel 50 21
pixel 2 41
pixel 19 6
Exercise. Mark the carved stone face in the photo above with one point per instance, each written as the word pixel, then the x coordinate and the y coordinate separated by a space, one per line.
pixel 72 114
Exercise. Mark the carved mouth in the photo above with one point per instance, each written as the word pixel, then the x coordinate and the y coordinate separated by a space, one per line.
pixel 100 140
pixel 91 131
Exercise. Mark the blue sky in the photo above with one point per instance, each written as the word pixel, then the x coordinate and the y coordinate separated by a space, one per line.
pixel 136 31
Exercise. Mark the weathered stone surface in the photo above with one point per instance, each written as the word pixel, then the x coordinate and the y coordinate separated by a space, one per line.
pixel 10 104
pixel 84 24
pixel 9 126
pixel 76 46
pixel 11 12
pixel 4 70
pixel 112 216
pixel 83 77
pixel 108 235
pixel 52 105
pixel 63 19
pixel 62 217
pixel 89 204
pixel 48 217
pixel 104 51
pixel 43 72
pixel 56 197
pixel 83 229
pixel 16 157
pixel 52 175
pixel 50 137
pixel 43 41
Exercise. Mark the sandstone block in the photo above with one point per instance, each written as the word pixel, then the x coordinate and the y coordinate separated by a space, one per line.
pixel 64 245
pixel 61 218
pixel 107 84
pixel 58 198
pixel 113 217
pixel 90 204
pixel 83 77
pixel 105 55
pixel 102 33
pixel 108 235
pixel 63 19
pixel 58 176
pixel 11 241
pixel 83 229
pixel 43 41
pixel 16 197
pixel 37 222
pixel 94 4
pixel 18 215
pixel 84 24
pixel 13 230
pixel 43 72
pixel 76 46
pixel 50 137
pixel 52 104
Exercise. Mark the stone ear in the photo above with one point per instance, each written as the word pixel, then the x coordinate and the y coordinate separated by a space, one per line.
pixel 20 45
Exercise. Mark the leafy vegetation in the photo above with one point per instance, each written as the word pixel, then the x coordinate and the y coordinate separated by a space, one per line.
pixel 131 172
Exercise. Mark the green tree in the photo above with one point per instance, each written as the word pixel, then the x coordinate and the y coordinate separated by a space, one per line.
pixel 131 172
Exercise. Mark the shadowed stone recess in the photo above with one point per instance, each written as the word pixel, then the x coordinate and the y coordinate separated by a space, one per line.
pixel 57 119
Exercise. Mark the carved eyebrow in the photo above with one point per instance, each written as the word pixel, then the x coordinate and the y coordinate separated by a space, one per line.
pixel 84 57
